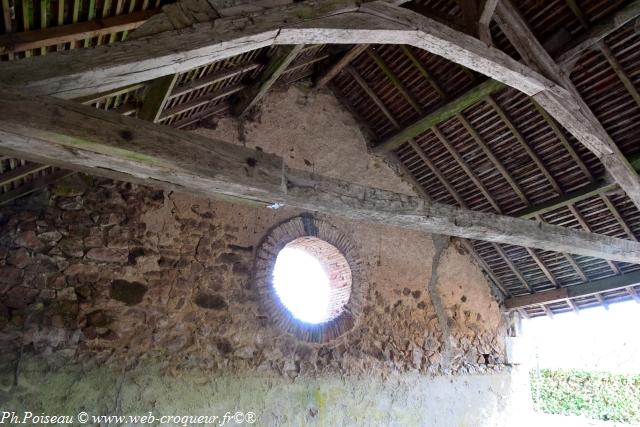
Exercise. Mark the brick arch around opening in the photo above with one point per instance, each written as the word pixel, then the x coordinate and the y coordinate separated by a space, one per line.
pixel 340 260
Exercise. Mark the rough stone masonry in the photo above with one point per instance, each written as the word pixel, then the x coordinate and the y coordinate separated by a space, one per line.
pixel 108 273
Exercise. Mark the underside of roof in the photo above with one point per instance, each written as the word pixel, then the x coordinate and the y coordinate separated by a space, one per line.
pixel 497 152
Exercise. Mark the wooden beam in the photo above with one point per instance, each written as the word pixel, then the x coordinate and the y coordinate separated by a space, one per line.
pixel 575 8
pixel 596 33
pixel 582 290
pixel 277 65
pixel 23 41
pixel 156 97
pixel 584 193
pixel 565 104
pixel 336 68
pixel 80 72
pixel 78 137
pixel 447 111
pixel 485 20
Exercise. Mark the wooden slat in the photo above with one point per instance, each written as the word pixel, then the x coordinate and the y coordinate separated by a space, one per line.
pixel 212 79
pixel 33 185
pixel 107 144
pixel 20 173
pixel 203 100
pixel 23 41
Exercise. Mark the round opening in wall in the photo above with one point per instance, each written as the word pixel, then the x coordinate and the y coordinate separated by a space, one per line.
pixel 312 279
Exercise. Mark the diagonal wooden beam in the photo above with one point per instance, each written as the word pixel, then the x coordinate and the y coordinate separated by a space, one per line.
pixel 447 111
pixel 79 73
pixel 575 8
pixel 485 20
pixel 78 137
pixel 277 65
pixel 565 104
pixel 156 97
pixel 345 60
pixel 592 288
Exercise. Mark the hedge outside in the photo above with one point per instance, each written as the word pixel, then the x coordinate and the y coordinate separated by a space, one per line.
pixel 596 395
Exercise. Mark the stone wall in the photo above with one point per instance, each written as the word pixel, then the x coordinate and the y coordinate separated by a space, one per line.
pixel 120 276
pixel 111 272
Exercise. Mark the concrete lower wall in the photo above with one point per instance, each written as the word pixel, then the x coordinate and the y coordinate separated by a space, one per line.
pixel 408 399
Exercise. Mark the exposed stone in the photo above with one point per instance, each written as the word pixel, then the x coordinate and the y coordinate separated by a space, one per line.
pixel 71 247
pixel 10 275
pixel 50 237
pixel 19 297
pixel 29 239
pixel 98 319
pixel 211 301
pixel 68 294
pixel 4 316
pixel 108 255
pixel 130 293
pixel 245 352
pixel 19 258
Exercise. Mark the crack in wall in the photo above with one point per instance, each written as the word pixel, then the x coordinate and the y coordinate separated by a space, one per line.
pixel 440 244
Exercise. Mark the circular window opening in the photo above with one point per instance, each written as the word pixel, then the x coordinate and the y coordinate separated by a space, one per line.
pixel 312 279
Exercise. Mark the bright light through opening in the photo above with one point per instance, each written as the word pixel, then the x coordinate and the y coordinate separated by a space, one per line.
pixel 302 285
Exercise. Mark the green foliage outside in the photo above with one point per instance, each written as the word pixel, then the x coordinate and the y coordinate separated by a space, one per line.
pixel 596 395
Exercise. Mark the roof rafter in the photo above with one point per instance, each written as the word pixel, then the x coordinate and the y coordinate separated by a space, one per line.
pixel 592 288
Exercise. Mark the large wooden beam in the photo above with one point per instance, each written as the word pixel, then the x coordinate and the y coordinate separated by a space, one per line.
pixel 582 290
pixel 447 111
pixel 82 72
pixel 564 103
pixel 78 137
